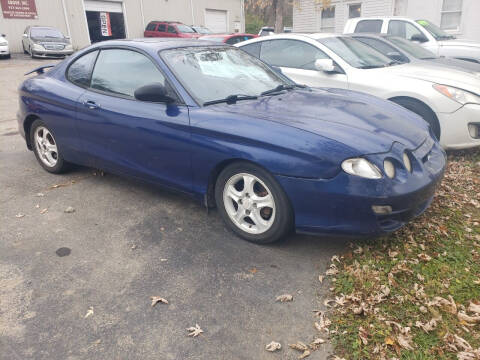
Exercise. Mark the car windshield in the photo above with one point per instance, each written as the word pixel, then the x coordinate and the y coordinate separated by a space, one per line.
pixel 201 30
pixel 185 29
pixel 411 48
pixel 435 31
pixel 356 53
pixel 45 32
pixel 213 73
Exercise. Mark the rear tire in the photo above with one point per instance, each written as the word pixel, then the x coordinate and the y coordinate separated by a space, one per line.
pixel 252 203
pixel 423 110
pixel 46 149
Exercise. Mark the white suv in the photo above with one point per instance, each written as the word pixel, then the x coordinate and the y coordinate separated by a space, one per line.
pixel 423 32
pixel 4 50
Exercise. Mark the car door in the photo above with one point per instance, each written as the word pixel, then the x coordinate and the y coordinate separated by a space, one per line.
pixel 124 135
pixel 161 31
pixel 296 59
pixel 171 31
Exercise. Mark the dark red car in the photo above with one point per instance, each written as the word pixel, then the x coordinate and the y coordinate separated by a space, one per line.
pixel 169 29
pixel 229 38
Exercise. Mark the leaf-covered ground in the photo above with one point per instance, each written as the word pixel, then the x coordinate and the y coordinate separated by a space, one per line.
pixel 415 294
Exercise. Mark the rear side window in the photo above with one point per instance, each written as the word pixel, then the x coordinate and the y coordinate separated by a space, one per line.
pixel 162 28
pixel 171 29
pixel 81 70
pixel 291 53
pixel 237 39
pixel 253 49
pixel 403 29
pixel 151 27
pixel 369 26
pixel 121 72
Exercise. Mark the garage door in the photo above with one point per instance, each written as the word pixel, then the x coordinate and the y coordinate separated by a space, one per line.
pixel 104 6
pixel 216 20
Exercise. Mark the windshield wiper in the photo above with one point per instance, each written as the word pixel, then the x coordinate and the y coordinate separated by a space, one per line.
pixel 231 99
pixel 371 66
pixel 279 88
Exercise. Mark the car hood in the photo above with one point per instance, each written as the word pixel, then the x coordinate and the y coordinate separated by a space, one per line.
pixel 360 121
pixel 460 42
pixel 51 40
pixel 435 74
pixel 469 66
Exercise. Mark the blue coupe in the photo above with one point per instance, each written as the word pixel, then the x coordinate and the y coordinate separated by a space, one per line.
pixel 216 123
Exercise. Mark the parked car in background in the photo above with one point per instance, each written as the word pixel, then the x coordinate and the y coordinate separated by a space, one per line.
pixel 423 32
pixel 270 30
pixel 4 49
pixel 404 51
pixel 449 100
pixel 202 30
pixel 169 29
pixel 213 126
pixel 229 38
pixel 44 41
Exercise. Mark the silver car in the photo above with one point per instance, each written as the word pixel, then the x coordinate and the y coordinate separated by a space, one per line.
pixel 43 41
pixel 448 99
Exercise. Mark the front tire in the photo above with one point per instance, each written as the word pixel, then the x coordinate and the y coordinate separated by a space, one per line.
pixel 46 149
pixel 252 203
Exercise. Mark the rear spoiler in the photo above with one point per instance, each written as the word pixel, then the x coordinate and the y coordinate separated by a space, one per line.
pixel 40 69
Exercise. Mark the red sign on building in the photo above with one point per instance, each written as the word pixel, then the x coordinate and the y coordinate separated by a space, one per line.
pixel 19 9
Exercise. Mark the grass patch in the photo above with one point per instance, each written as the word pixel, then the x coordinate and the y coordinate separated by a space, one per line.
pixel 400 279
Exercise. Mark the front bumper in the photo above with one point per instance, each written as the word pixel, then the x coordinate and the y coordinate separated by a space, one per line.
pixel 52 53
pixel 460 129
pixel 343 205
pixel 4 50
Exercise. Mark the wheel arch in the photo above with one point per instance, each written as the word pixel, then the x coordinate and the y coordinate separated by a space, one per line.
pixel 27 125
pixel 398 100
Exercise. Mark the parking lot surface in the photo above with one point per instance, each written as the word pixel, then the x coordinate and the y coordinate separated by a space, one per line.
pixel 77 285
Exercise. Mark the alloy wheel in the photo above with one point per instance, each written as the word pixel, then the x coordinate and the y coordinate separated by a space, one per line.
pixel 46 146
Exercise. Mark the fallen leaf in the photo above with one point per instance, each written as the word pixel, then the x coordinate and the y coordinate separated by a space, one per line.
pixel 475 308
pixel 467 318
pixel 315 344
pixel 20 215
pixel 158 299
pixel 389 341
pixel 194 330
pixel 89 312
pixel 300 346
pixel 43 211
pixel 273 346
pixel 284 298
pixel 40 194
pixel 320 278
pixel 253 270
pixel 69 210
pixel 363 335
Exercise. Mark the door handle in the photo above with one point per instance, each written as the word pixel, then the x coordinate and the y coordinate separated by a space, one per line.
pixel 91 104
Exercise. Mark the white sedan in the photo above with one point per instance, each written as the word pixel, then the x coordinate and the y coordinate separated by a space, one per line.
pixel 4 50
pixel 447 99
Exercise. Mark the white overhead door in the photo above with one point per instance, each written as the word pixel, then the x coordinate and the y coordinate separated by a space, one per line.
pixel 216 20
pixel 103 6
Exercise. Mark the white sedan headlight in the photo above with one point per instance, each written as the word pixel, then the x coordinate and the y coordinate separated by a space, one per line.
pixel 461 96
pixel 37 47
pixel 68 47
pixel 361 167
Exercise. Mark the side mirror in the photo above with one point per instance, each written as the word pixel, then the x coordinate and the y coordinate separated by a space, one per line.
pixel 25 35
pixel 155 92
pixel 419 38
pixel 326 65
pixel 3 35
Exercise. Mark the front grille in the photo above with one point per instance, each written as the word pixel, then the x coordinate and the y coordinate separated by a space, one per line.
pixel 54 46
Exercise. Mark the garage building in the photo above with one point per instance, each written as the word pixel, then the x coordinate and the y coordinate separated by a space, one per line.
pixel 89 21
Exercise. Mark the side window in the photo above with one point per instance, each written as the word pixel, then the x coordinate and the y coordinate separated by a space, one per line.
pixel 151 27
pixel 237 39
pixel 291 53
pixel 162 28
pixel 121 72
pixel 369 26
pixel 403 29
pixel 81 70
pixel 253 49
pixel 171 29
pixel 384 48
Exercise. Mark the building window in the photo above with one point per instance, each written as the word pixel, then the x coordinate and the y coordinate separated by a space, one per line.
pixel 451 15
pixel 354 11
pixel 328 20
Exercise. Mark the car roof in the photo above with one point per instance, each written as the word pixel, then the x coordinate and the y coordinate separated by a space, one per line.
pixel 166 21
pixel 381 18
pixel 156 44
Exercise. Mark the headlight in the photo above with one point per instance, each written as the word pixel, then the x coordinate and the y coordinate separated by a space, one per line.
pixel 461 96
pixel 3 43
pixel 37 47
pixel 68 47
pixel 389 169
pixel 361 167
pixel 407 162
